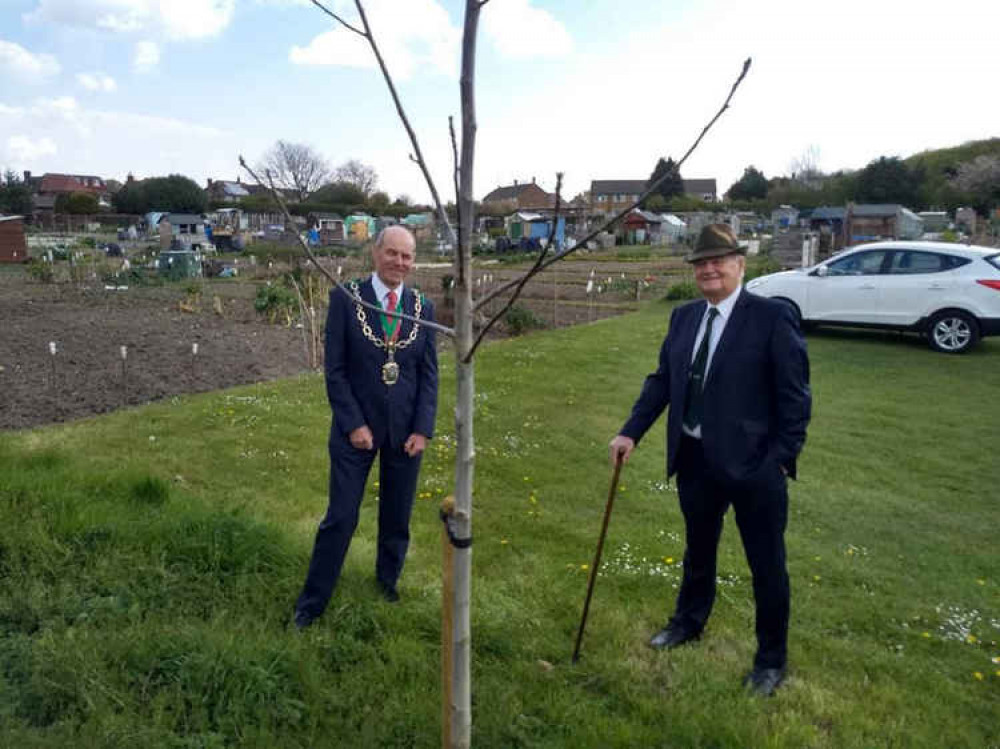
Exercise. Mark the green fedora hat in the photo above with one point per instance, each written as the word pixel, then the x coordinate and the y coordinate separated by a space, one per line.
pixel 715 240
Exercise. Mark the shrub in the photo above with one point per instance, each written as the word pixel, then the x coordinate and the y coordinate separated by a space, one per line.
pixel 274 301
pixel 520 320
pixel 41 271
pixel 682 290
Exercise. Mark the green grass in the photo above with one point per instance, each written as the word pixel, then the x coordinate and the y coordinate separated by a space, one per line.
pixel 149 560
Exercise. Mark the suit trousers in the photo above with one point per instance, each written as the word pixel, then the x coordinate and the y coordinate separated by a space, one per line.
pixel 349 469
pixel 760 504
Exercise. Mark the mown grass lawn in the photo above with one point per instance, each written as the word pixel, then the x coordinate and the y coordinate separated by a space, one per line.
pixel 149 560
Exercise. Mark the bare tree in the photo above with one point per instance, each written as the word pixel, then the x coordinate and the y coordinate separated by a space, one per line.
pixel 458 519
pixel 358 174
pixel 804 168
pixel 296 167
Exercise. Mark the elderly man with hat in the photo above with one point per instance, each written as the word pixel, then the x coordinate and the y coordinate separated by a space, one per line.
pixel 734 370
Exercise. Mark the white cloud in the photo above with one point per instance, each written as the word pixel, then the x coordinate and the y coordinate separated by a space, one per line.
pixel 23 65
pixel 23 149
pixel 412 35
pixel 97 82
pixel 521 31
pixel 60 135
pixel 146 56
pixel 175 19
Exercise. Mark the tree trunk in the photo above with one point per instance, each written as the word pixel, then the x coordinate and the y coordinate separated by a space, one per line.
pixel 461 708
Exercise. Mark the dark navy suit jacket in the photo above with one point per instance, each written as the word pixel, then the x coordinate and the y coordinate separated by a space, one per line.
pixel 757 401
pixel 354 372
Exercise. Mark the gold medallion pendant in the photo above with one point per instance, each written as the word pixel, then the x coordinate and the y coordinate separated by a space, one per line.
pixel 390 370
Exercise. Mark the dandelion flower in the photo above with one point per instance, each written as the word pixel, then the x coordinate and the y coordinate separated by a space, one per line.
pixel 971 639
pixel 504 542
pixel 585 567
pixel 668 560
pixel 996 659
pixel 816 578
pixel 926 634
pixel 981 581
pixel 978 675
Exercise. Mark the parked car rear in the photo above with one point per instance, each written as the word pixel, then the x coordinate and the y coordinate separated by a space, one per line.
pixel 949 293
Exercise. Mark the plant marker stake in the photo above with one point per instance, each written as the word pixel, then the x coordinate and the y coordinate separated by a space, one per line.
pixel 123 350
pixel 194 357
pixel 52 351
pixel 597 555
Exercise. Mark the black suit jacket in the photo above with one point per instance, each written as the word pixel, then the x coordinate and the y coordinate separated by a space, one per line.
pixel 757 401
pixel 354 384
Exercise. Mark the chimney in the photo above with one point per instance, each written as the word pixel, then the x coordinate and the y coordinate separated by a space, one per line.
pixel 532 180
pixel 27 175
pixel 237 179
pixel 210 183
pixel 129 179
pixel 515 183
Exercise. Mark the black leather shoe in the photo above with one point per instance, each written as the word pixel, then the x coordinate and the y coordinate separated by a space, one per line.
pixel 303 620
pixel 671 637
pixel 389 593
pixel 764 681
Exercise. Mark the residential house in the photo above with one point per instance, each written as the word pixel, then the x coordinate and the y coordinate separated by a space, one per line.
pixel 523 196
pixel 47 188
pixel 613 195
pixel 225 191
pixel 13 246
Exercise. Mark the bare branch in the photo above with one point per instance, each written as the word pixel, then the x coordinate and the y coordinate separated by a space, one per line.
pixel 276 196
pixel 524 279
pixel 337 18
pixel 650 189
pixel 460 260
pixel 481 3
pixel 419 158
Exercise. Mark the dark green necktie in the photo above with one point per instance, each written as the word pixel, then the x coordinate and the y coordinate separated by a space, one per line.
pixel 696 383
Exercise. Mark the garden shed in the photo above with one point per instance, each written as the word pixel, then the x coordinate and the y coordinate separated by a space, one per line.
pixel 13 248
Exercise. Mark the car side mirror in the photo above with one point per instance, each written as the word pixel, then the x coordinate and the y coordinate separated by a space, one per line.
pixel 822 271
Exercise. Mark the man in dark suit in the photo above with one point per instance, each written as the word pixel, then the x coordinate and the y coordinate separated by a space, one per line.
pixel 735 371
pixel 381 380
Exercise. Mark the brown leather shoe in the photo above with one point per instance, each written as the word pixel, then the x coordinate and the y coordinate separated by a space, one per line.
pixel 764 681
pixel 671 637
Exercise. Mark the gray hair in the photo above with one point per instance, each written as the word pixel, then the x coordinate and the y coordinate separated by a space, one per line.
pixel 381 235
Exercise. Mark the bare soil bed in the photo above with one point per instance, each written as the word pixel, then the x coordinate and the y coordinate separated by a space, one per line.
pixel 90 324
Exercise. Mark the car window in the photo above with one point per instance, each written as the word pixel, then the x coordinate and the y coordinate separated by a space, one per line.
pixel 858 264
pixel 913 261
pixel 994 260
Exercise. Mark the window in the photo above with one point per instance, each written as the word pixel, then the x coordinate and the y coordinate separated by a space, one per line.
pixel 912 261
pixel 858 264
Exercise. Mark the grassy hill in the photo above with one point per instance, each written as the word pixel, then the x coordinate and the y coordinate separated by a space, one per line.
pixel 149 560
pixel 939 165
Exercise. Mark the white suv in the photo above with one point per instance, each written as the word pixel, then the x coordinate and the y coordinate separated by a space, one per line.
pixel 948 292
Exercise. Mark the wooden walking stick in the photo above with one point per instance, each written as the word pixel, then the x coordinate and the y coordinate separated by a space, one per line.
pixel 597 556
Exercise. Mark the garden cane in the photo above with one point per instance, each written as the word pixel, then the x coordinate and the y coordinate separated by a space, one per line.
pixel 597 555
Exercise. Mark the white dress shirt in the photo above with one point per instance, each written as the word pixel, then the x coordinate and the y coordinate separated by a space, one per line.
pixel 725 309
pixel 382 291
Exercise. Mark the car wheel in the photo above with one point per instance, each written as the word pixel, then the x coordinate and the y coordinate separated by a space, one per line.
pixel 952 332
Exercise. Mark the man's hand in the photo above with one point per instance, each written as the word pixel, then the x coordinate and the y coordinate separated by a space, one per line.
pixel 361 438
pixel 415 445
pixel 621 446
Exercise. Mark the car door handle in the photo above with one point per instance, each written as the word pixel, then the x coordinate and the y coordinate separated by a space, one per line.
pixel 867 286
pixel 936 286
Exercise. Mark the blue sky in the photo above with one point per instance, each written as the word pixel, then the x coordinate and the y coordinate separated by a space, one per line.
pixel 595 88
